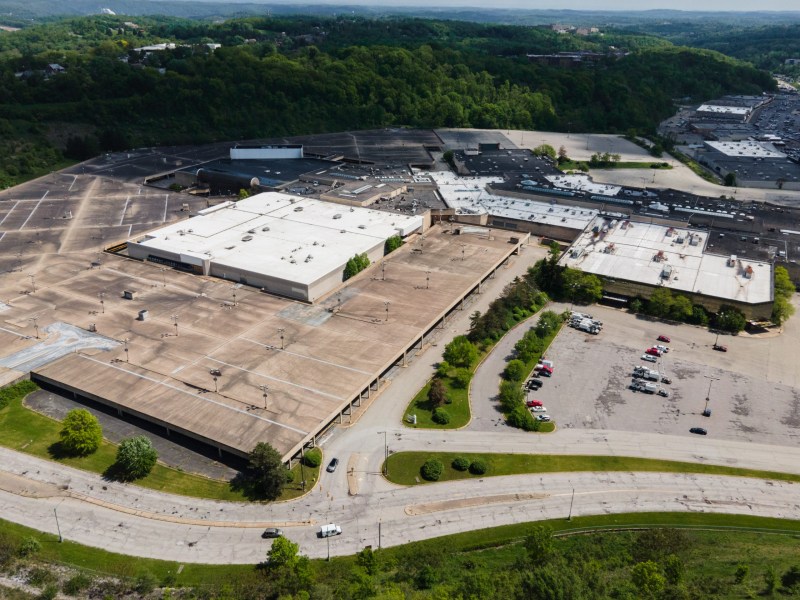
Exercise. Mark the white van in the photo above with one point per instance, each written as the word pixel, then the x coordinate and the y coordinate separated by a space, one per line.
pixel 329 530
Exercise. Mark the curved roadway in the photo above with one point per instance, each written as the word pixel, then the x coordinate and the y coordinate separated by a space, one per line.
pixel 135 521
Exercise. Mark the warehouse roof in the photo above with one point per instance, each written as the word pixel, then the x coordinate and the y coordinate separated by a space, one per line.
pixel 287 237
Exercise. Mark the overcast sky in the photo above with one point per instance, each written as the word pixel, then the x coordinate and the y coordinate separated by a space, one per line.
pixel 707 5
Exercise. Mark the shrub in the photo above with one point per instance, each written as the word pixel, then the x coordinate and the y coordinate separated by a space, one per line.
pixel 520 418
pixel 432 470
pixel 313 458
pixel 440 416
pixel 443 369
pixel 29 547
pixel 462 378
pixel 81 433
pixel 392 244
pixel 145 583
pixel 478 467
pixel 76 584
pixel 39 577
pixel 437 393
pixel 460 463
pixel 49 593
pixel 136 457
pixel 18 390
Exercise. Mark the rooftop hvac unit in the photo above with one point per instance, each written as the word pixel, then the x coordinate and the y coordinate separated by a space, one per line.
pixel 732 261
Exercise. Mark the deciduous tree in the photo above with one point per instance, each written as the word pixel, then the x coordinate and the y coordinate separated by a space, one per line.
pixel 81 433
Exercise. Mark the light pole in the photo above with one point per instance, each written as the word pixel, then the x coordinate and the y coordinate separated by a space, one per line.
pixel 427 279
pixel 569 518
pixel 711 380
pixel 164 275
pixel 386 304
pixel 264 390
pixel 35 325
pixel 175 320
pixel 233 291
pixel 58 526
pixel 383 271
pixel 280 331
pixel 125 341
pixel 463 249
pixel 33 282
pixel 102 295
pixel 385 453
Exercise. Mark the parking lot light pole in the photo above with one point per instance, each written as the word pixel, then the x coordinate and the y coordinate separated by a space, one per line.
pixel 386 304
pixel 175 320
pixel 281 331
pixel 385 453
pixel 33 281
pixel 127 358
pixel 264 390
pixel 708 394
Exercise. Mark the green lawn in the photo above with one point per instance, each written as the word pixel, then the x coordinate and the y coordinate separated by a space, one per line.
pixel 458 409
pixel 27 431
pixel 404 466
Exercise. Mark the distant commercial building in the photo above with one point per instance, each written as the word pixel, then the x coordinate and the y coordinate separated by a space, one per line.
pixel 635 259
pixel 287 245
pixel 272 152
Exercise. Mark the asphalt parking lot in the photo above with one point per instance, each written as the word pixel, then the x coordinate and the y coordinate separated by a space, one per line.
pixel 590 386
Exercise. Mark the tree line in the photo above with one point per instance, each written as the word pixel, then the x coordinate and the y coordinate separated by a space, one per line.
pixel 292 76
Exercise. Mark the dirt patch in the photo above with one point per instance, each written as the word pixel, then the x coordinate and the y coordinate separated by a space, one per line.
pixel 792 419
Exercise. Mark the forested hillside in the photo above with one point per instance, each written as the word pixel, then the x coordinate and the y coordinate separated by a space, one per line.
pixel 293 76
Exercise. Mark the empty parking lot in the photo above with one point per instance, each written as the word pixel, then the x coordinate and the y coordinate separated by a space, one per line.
pixel 751 389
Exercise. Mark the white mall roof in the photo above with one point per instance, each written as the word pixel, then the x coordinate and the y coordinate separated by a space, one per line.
pixel 284 232
pixel 468 195
pixel 580 182
pixel 633 249
pixel 747 149
pixel 724 110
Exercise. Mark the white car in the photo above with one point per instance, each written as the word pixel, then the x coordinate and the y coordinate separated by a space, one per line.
pixel 664 349
pixel 542 418
pixel 538 409
pixel 649 358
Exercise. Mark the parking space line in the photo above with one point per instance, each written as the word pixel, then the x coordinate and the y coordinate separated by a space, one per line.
pixel 124 209
pixel 21 227
pixel 9 212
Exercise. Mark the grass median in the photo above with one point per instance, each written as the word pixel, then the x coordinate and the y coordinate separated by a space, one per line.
pixel 404 467
pixel 28 431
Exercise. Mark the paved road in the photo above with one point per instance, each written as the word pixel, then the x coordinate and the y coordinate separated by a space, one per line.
pixel 141 522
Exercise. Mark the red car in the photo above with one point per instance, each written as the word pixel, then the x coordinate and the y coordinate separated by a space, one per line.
pixel 664 338
pixel 653 352
pixel 534 403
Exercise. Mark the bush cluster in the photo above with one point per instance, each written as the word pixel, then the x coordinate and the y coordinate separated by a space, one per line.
pixel 313 458
pixel 460 463
pixel 440 416
pixel 432 470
